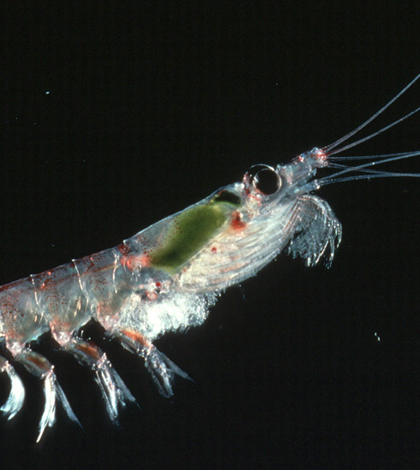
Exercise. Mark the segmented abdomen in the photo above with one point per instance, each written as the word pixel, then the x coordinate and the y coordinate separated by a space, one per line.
pixel 63 298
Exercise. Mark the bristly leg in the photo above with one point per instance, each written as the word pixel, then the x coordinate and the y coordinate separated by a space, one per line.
pixel 114 390
pixel 163 371
pixel 160 367
pixel 316 229
pixel 16 397
pixel 52 389
pixel 39 366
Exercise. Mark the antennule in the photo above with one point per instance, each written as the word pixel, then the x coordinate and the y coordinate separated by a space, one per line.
pixel 368 121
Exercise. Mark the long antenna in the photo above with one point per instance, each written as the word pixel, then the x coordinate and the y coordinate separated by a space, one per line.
pixel 355 131
pixel 353 144
pixel 367 168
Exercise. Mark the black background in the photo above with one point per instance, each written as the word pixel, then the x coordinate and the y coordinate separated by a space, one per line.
pixel 117 114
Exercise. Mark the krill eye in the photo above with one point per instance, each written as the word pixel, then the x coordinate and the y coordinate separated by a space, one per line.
pixel 267 181
pixel 263 178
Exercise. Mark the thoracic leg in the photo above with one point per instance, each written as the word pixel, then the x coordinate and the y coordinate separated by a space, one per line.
pixel 39 366
pixel 161 368
pixel 113 389
pixel 17 392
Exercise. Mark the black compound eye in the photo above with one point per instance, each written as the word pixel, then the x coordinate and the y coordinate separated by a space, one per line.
pixel 267 182
pixel 264 179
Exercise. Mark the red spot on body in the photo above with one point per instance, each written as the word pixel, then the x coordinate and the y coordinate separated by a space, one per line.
pixel 150 295
pixel 213 249
pixel 133 262
pixel 137 337
pixel 123 248
pixel 45 284
pixel 89 349
pixel 237 223
pixel 145 261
